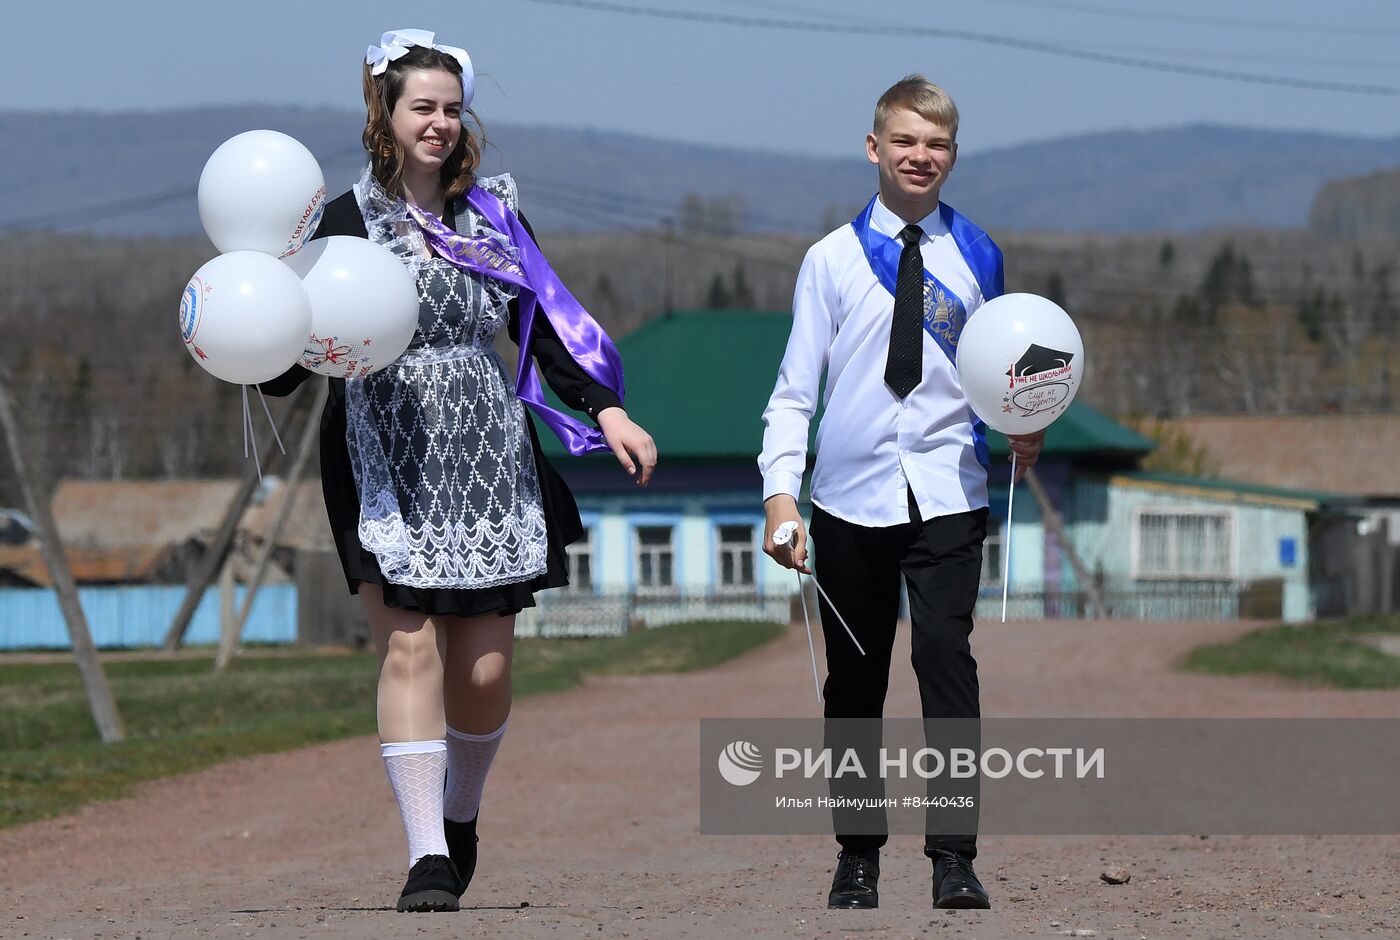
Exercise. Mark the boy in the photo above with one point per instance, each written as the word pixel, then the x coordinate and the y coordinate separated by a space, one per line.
pixel 900 480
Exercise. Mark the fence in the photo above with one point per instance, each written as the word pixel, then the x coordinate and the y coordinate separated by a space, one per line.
pixel 1167 600
pixel 561 613
pixel 123 617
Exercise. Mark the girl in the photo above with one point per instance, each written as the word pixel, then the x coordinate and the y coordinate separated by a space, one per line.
pixel 445 514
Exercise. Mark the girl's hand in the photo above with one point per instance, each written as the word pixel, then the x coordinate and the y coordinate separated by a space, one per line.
pixel 629 442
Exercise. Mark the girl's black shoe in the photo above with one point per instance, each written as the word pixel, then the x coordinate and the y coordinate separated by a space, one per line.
pixel 433 885
pixel 461 845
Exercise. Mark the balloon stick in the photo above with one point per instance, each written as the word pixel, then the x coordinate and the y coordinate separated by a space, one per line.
pixel 783 536
pixel 811 648
pixel 1006 547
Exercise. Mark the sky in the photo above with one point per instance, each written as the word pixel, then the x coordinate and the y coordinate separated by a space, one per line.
pixel 787 90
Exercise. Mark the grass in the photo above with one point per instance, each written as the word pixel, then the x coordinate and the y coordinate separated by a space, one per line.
pixel 1327 653
pixel 181 717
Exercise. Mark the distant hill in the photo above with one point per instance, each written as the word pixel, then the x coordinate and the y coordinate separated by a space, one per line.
pixel 1359 207
pixel 140 170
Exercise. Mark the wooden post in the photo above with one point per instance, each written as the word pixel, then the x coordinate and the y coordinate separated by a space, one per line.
pixel 215 554
pixel 229 640
pixel 228 612
pixel 1364 591
pixel 1385 569
pixel 1056 526
pixel 99 693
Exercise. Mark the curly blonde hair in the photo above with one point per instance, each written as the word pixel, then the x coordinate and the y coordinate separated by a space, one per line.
pixel 386 156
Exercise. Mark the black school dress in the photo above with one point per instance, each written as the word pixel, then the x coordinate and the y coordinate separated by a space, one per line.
pixel 452 310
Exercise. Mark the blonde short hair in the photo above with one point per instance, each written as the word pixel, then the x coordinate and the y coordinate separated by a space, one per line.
pixel 918 94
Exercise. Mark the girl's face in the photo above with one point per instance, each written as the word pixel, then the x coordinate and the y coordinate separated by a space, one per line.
pixel 427 119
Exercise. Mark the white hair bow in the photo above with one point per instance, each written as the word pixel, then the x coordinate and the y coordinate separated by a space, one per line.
pixel 395 44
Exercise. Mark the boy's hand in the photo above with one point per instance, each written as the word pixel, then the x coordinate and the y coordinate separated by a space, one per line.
pixel 628 440
pixel 1026 447
pixel 778 510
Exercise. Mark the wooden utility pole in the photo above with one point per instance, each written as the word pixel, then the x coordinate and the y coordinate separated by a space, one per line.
pixel 1056 526
pixel 213 560
pixel 99 693
pixel 229 637
pixel 216 553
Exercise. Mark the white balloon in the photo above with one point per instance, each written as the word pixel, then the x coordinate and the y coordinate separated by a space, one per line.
pixel 261 191
pixel 364 305
pixel 244 317
pixel 1020 360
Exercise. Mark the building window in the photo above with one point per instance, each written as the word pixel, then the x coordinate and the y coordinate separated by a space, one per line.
pixel 736 558
pixel 581 563
pixel 992 560
pixel 655 558
pixel 1183 545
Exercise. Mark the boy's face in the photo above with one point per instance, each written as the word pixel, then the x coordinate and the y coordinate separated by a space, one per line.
pixel 915 156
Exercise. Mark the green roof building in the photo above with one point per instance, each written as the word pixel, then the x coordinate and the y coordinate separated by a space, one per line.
pixel 698 381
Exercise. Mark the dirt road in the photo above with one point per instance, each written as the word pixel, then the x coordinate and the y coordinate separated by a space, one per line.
pixel 590 826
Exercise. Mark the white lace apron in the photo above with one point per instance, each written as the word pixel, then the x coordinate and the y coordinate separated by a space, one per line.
pixel 449 496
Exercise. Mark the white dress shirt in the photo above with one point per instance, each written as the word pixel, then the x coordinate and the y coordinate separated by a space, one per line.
pixel 872 447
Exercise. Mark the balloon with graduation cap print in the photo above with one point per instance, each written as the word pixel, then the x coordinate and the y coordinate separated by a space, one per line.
pixel 1020 360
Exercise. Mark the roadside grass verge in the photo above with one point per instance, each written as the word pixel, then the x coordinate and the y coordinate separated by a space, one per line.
pixel 180 716
pixel 1344 654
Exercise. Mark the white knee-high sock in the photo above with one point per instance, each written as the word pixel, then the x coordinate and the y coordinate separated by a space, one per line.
pixel 417 771
pixel 469 759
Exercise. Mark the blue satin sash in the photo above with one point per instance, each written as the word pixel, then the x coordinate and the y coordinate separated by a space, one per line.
pixel 945 313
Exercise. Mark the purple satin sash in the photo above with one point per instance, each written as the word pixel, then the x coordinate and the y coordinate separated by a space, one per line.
pixel 581 335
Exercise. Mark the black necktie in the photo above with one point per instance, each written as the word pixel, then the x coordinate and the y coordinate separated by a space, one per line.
pixel 904 365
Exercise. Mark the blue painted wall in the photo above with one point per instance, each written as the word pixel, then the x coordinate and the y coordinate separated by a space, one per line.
pixel 139 616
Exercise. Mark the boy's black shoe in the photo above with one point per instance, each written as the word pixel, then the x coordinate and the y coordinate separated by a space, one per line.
pixel 857 880
pixel 432 885
pixel 955 884
pixel 461 846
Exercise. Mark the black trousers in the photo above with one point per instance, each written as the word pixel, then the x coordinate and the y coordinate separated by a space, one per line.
pixel 860 568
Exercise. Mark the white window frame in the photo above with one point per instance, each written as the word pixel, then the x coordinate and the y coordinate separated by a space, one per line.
pixel 638 550
pixel 737 549
pixel 582 549
pixel 1175 571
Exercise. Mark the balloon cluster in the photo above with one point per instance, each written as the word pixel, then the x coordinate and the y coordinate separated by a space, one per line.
pixel 340 306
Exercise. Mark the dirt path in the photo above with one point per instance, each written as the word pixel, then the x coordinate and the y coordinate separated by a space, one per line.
pixel 590 826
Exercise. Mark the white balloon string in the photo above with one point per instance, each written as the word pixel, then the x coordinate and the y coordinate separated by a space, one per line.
pixel 249 435
pixel 1006 546
pixel 811 647
pixel 273 424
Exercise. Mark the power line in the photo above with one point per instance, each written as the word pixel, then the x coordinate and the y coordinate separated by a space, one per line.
pixel 102 211
pixel 1236 54
pixel 1232 22
pixel 1011 42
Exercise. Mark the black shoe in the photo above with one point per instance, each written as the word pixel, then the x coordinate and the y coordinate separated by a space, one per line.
pixel 955 884
pixel 857 880
pixel 432 885
pixel 461 846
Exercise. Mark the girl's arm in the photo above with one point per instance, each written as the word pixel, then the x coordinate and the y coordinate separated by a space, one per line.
pixel 630 442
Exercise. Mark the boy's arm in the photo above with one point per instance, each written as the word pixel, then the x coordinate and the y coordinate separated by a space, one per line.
pixel 788 417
